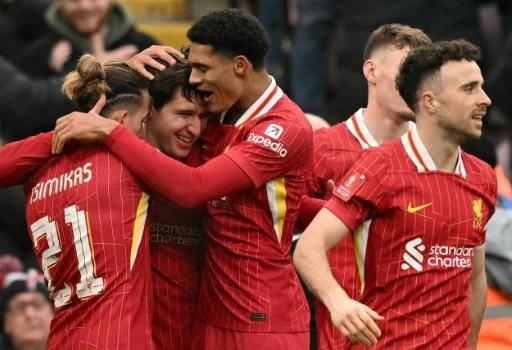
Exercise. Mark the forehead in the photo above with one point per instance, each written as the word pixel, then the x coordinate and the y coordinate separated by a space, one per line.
pixel 456 73
pixel 26 296
pixel 391 54
pixel 202 54
pixel 180 103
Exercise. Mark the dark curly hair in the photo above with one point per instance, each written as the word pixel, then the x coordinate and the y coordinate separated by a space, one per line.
pixel 425 62
pixel 232 32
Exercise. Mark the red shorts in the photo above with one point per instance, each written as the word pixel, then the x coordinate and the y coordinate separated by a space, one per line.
pixel 210 337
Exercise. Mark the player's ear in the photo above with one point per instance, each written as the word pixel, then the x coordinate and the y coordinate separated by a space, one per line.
pixel 429 101
pixel 119 115
pixel 241 65
pixel 369 70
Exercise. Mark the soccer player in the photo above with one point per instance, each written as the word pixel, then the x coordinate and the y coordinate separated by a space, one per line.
pixel 176 234
pixel 86 214
pixel 250 296
pixel 173 126
pixel 385 117
pixel 428 203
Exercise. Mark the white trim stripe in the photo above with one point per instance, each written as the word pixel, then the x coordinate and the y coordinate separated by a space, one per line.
pixel 422 157
pixel 360 243
pixel 248 114
pixel 276 195
pixel 356 121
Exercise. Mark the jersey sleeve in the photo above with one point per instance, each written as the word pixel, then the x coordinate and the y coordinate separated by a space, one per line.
pixel 363 191
pixel 272 148
pixel 185 185
pixel 18 160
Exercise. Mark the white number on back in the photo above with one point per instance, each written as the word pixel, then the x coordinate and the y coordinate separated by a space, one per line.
pixel 89 284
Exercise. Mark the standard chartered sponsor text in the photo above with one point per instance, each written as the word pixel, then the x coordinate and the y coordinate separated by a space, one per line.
pixel 450 256
pixel 164 233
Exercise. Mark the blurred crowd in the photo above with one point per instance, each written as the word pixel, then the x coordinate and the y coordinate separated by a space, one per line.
pixel 316 56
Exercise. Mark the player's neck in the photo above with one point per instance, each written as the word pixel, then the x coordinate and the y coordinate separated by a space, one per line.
pixel 384 125
pixel 253 87
pixel 443 150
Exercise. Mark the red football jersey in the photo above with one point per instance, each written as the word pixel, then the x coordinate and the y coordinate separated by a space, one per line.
pixel 87 217
pixel 176 261
pixel 424 227
pixel 249 283
pixel 335 151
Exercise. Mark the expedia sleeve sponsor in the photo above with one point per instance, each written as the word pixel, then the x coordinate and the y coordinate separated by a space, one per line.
pixel 275 146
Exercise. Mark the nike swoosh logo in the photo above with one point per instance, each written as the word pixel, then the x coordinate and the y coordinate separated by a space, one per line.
pixel 413 210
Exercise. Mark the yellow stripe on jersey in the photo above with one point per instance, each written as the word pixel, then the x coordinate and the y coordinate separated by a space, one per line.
pixel 276 194
pixel 359 259
pixel 138 226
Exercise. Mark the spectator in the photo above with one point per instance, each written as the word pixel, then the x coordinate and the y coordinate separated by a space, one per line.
pixel 25 311
pixel 101 27
pixel 21 22
pixel 28 106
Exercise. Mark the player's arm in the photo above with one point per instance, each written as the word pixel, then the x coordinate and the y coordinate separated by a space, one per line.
pixel 185 185
pixel 18 160
pixel 355 320
pixel 478 295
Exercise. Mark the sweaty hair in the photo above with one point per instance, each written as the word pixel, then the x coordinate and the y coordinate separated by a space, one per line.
pixel 397 35
pixel 232 32
pixel 424 64
pixel 122 86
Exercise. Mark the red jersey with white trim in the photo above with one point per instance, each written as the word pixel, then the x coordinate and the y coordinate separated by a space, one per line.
pixel 336 149
pixel 249 283
pixel 176 261
pixel 87 218
pixel 418 247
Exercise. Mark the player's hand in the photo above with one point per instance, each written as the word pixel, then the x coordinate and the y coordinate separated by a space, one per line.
pixel 330 186
pixel 148 58
pixel 84 127
pixel 357 322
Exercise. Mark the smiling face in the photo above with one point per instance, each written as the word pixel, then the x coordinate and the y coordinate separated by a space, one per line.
pixel 213 73
pixel 176 126
pixel 86 16
pixel 462 103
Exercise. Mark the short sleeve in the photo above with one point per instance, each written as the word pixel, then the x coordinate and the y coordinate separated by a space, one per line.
pixel 363 191
pixel 274 148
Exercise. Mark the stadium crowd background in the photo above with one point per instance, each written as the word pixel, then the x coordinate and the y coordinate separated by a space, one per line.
pixel 316 57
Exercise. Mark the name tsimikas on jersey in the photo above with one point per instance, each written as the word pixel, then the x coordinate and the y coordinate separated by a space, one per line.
pixel 64 182
pixel 273 131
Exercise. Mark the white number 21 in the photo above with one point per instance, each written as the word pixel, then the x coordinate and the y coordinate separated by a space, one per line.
pixel 89 284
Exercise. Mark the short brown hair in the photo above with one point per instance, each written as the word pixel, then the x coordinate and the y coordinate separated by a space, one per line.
pixel 397 35
pixel 425 63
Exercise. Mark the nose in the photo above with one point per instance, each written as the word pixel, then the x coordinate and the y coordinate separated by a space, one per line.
pixel 195 77
pixel 194 127
pixel 485 100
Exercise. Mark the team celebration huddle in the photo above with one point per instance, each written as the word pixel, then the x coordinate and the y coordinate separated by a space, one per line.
pixel 162 211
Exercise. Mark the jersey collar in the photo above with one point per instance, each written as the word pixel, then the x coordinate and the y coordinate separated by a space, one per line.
pixel 419 155
pixel 263 104
pixel 357 127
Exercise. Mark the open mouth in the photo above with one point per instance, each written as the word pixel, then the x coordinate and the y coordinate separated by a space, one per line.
pixel 186 140
pixel 206 95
